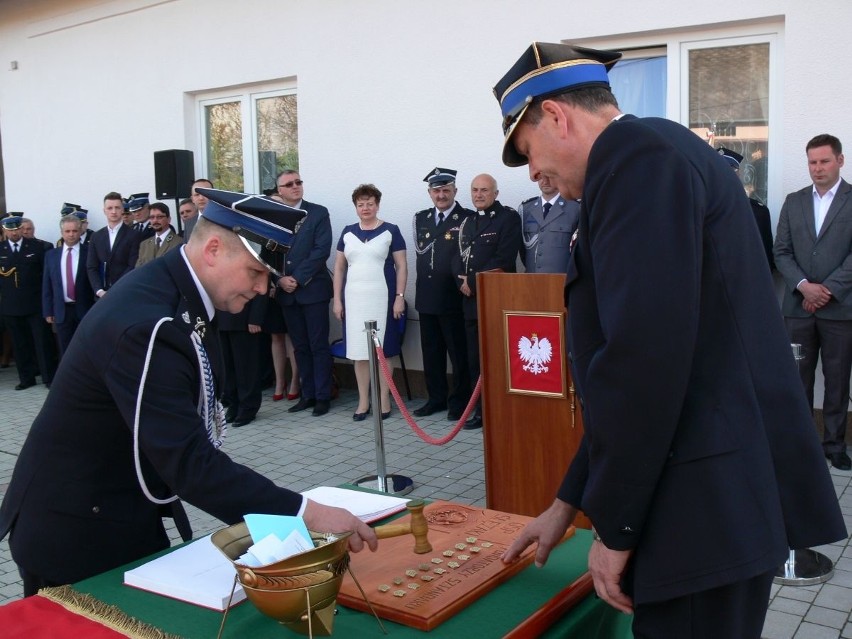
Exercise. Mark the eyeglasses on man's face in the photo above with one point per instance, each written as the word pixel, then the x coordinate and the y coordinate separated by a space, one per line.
pixel 291 184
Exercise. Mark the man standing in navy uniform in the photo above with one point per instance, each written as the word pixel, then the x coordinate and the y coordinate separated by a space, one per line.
pixel 305 289
pixel 437 298
pixel 21 268
pixel 489 240
pixel 699 466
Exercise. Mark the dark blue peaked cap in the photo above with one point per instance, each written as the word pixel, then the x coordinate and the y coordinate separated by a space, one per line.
pixel 261 223
pixel 137 201
pixel 546 69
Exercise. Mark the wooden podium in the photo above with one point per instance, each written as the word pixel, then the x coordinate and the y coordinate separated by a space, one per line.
pixel 530 435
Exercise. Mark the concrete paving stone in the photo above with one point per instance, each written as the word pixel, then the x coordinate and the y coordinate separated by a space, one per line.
pixel 791 606
pixel 794 592
pixel 846 633
pixel 827 617
pixel 813 631
pixel 834 597
pixel 780 625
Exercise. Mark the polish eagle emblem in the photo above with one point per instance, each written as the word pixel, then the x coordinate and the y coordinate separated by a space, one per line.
pixel 535 353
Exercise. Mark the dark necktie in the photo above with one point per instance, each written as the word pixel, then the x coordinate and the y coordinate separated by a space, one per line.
pixel 440 218
pixel 547 207
pixel 71 288
pixel 159 241
pixel 14 247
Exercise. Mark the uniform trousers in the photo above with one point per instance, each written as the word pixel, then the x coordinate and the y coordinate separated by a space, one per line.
pixel 34 347
pixel 831 340
pixel 735 611
pixel 308 328
pixel 243 388
pixel 442 335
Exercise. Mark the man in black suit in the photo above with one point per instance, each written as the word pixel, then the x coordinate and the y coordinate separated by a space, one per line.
pixel 114 249
pixel 304 291
pixel 28 232
pixel 489 240
pixel 813 252
pixel 699 467
pixel 132 422
pixel 66 294
pixel 21 268
pixel 437 298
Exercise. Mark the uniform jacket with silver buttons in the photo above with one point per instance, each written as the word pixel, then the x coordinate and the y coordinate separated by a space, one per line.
pixel 547 241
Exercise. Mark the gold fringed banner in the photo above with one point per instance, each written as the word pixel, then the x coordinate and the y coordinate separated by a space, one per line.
pixel 103 613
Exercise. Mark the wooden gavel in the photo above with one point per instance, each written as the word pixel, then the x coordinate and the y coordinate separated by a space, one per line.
pixel 416 526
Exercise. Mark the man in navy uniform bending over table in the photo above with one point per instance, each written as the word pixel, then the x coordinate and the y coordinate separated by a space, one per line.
pixel 134 423
pixel 700 465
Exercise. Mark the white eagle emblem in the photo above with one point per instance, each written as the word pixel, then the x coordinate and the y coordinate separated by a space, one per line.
pixel 535 353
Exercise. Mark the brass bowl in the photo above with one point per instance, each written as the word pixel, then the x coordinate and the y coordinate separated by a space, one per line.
pixel 299 591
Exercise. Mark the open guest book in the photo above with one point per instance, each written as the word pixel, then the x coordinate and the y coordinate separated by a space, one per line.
pixel 368 507
pixel 197 573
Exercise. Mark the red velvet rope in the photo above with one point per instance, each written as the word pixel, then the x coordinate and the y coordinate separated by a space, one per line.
pixel 383 365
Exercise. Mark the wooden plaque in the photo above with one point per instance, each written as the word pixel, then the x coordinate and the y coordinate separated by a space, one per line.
pixel 452 527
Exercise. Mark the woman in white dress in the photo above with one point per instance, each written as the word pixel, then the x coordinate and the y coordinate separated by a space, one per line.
pixel 370 273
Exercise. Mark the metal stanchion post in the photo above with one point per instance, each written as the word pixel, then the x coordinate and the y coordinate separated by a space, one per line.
pixel 804 567
pixel 395 484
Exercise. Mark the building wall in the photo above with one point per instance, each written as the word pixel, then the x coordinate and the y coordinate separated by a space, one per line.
pixel 386 90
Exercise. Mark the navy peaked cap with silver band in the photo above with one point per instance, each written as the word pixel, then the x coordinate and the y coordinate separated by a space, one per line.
pixel 731 157
pixel 13 221
pixel 137 201
pixel 547 69
pixel 440 176
pixel 260 222
pixel 68 209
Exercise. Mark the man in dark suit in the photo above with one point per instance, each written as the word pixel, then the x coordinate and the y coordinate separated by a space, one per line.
pixel 813 252
pixel 304 292
pixel 21 269
pixel 549 221
pixel 489 240
pixel 66 294
pixel 28 232
pixel 132 422
pixel 114 249
pixel 699 467
pixel 242 341
pixel 163 238
pixel 437 298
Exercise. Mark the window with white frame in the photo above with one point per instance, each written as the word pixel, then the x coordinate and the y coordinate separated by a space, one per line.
pixel 247 137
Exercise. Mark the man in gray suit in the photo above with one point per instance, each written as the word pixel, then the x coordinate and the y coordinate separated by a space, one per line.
pixel 812 253
pixel 549 221
pixel 164 238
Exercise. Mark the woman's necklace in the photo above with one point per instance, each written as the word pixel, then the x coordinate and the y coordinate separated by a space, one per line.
pixel 376 222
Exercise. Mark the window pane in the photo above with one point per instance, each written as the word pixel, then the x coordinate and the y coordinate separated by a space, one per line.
pixel 277 137
pixel 224 128
pixel 639 85
pixel 729 106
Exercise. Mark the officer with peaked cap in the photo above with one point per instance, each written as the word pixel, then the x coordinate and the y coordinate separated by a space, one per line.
pixel 132 423
pixel 699 465
pixel 139 206
pixel 437 298
pixel 761 213
pixel 81 214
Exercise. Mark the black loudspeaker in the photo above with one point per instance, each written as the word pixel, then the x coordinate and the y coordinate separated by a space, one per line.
pixel 174 172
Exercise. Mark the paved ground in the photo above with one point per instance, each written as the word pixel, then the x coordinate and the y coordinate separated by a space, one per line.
pixel 301 451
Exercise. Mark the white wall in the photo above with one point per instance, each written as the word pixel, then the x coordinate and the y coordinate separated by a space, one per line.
pixel 386 89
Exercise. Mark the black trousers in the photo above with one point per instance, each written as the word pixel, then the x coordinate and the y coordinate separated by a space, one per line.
pixel 442 335
pixel 35 349
pixel 832 340
pixel 65 330
pixel 735 611
pixel 308 328
pixel 243 387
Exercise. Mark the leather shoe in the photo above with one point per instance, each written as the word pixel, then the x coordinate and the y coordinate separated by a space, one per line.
pixel 276 397
pixel 302 404
pixel 242 420
pixel 231 414
pixel 840 460
pixel 25 385
pixel 386 415
pixel 454 415
pixel 473 423
pixel 359 417
pixel 428 408
pixel 321 408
